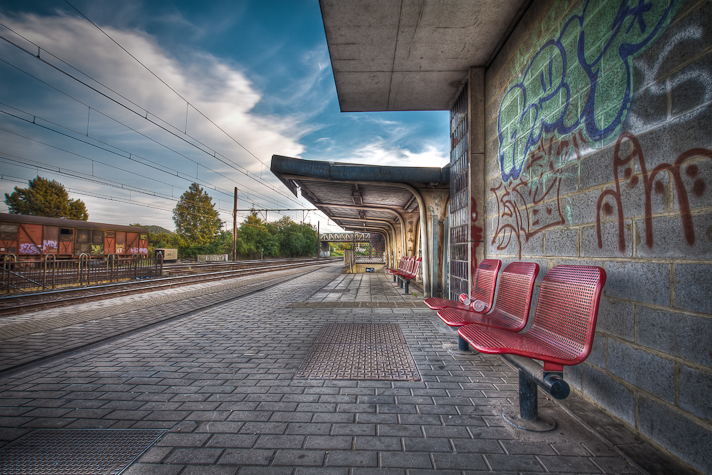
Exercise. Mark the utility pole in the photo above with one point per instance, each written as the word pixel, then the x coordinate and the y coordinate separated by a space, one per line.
pixel 234 228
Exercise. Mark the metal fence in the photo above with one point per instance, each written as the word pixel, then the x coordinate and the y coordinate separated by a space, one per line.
pixel 49 273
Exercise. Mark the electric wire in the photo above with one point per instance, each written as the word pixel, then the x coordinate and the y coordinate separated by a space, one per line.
pixel 34 122
pixel 214 154
pixel 166 84
pixel 136 131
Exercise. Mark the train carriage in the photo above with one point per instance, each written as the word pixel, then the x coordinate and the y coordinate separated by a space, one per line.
pixel 33 236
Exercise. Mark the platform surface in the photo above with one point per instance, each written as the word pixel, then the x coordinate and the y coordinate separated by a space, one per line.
pixel 221 383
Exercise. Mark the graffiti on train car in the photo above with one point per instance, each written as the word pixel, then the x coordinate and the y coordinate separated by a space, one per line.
pixel 29 248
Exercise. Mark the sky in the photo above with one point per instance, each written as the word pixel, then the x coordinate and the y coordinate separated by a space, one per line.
pixel 172 92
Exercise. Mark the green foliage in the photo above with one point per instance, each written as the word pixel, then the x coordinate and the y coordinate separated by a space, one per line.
pixel 45 198
pixel 196 218
pixel 284 238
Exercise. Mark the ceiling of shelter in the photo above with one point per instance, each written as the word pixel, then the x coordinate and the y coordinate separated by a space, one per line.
pixel 411 54
pixel 360 197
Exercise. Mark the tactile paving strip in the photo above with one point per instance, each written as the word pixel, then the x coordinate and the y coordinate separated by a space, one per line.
pixel 366 351
pixel 80 451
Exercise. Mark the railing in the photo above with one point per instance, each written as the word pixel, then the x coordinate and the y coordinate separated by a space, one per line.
pixel 50 273
pixel 369 260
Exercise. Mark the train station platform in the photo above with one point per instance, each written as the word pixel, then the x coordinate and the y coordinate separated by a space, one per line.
pixel 228 390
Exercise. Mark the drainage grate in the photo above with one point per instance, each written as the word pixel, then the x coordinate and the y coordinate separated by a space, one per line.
pixel 79 451
pixel 361 333
pixel 370 351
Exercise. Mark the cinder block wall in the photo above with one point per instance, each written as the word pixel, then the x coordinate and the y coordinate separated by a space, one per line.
pixel 599 151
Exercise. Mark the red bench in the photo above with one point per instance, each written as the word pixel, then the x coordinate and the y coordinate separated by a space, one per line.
pixel 482 290
pixel 410 273
pixel 401 266
pixel 511 309
pixel 561 335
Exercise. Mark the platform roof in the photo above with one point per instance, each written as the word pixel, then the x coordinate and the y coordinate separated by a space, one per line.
pixel 358 197
pixel 397 55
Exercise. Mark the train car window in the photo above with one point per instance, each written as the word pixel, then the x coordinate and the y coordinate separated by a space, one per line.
pixel 66 234
pixel 97 237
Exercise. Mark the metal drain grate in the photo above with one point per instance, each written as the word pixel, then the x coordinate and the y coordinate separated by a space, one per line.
pixel 75 451
pixel 361 333
pixel 370 351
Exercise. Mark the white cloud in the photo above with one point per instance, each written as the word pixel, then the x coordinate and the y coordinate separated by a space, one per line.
pixel 378 153
pixel 217 87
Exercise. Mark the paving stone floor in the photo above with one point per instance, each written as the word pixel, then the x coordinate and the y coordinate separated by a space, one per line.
pixel 220 382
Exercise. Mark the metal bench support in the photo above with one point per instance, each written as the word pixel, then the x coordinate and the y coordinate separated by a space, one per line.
pixel 531 376
pixel 462 344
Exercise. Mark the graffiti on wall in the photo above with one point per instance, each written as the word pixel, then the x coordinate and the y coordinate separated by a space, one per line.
pixel 652 182
pixel 531 203
pixel 560 92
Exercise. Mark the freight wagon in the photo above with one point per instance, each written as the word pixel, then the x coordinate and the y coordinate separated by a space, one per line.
pixel 34 236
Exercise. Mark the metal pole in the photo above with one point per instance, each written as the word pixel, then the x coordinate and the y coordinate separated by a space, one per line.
pixel 234 228
pixel 528 409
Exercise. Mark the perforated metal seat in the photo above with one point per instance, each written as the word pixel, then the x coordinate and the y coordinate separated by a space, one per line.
pixel 401 265
pixel 564 323
pixel 511 309
pixel 483 289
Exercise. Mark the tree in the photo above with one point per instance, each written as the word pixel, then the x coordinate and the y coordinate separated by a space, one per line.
pixel 195 217
pixel 45 198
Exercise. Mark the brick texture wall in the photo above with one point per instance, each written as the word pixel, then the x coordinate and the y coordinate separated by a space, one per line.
pixel 599 151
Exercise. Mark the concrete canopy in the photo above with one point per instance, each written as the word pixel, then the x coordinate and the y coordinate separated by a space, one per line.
pixel 358 195
pixel 397 55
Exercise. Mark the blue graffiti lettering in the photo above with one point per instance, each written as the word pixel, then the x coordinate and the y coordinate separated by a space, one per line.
pixel 580 80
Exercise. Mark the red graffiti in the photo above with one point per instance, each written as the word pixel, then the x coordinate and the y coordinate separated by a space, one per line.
pixel 650 184
pixel 475 235
pixel 531 204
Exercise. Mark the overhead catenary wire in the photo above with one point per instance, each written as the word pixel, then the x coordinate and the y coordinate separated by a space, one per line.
pixel 130 154
pixel 165 83
pixel 140 133
pixel 144 115
pixel 147 112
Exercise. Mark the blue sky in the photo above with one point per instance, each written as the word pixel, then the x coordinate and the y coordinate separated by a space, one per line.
pixel 259 70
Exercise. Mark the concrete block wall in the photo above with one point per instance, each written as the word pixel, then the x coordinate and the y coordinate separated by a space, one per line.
pixel 598 124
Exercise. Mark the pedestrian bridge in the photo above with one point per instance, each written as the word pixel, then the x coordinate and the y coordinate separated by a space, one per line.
pixel 345 237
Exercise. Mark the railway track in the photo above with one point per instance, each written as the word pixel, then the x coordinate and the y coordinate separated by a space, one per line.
pixel 16 304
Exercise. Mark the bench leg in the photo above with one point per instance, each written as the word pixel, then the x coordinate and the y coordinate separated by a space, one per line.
pixel 394 279
pixel 528 404
pixel 400 283
pixel 462 344
pixel 528 417
pixel 407 284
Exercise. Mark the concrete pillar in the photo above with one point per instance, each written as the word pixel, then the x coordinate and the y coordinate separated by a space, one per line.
pixel 436 205
pixel 476 179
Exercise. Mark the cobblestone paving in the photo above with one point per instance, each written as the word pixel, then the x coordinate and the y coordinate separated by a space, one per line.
pixel 29 337
pixel 221 382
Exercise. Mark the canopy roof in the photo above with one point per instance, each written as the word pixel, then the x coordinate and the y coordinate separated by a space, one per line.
pixel 358 197
pixel 396 55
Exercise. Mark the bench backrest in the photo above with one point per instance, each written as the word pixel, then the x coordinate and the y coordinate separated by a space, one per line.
pixel 486 282
pixel 414 269
pixel 409 266
pixel 401 263
pixel 514 297
pixel 567 310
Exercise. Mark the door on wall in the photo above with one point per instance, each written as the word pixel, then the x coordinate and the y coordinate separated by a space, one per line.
pixel 97 243
pixel 120 242
pixel 66 241
pixel 110 242
pixel 30 239
pixel 83 243
pixel 50 240
pixel 131 243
